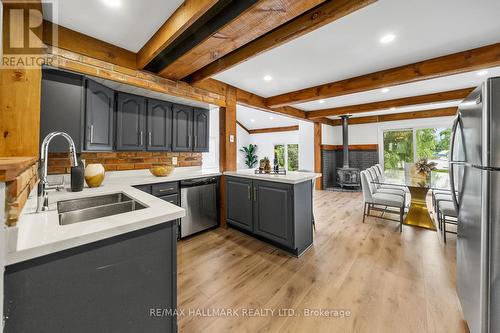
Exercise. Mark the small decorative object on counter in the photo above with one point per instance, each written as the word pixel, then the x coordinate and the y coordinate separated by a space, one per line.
pixel 262 164
pixel 267 165
pixel 276 163
pixel 94 175
pixel 77 177
pixel 161 170
pixel 281 171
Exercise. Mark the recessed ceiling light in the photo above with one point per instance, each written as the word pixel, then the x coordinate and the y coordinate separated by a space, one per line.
pixel 268 77
pixel 321 101
pixel 252 120
pixel 385 90
pixel 271 118
pixel 392 109
pixel 482 73
pixel 386 39
pixel 113 3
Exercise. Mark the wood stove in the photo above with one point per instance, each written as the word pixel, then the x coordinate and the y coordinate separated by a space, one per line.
pixel 347 176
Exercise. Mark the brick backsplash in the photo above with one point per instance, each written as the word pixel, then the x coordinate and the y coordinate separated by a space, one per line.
pixel 118 161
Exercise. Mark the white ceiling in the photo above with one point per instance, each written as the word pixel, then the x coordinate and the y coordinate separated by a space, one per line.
pixel 129 26
pixel 452 82
pixel 262 119
pixel 350 46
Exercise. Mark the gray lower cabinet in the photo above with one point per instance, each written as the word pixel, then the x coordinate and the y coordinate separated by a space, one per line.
pixel 201 130
pixel 182 130
pixel 130 122
pixel 159 125
pixel 99 116
pixel 273 211
pixel 239 202
pixel 276 212
pixel 62 98
pixel 113 285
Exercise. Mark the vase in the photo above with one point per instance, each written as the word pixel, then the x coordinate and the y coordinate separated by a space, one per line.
pixel 94 175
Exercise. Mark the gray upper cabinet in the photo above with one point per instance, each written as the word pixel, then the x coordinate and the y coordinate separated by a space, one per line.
pixel 273 211
pixel 239 202
pixel 99 116
pixel 130 122
pixel 159 119
pixel 182 131
pixel 201 130
pixel 61 104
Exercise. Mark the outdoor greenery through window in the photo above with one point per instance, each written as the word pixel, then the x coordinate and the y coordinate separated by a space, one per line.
pixel 288 156
pixel 411 145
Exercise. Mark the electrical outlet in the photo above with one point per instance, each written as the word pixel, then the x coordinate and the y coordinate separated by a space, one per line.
pixel 174 160
pixel 231 138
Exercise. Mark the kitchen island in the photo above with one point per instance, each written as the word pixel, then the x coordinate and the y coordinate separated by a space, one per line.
pixel 98 275
pixel 273 208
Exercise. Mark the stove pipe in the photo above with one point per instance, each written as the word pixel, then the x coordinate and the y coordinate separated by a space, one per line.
pixel 345 140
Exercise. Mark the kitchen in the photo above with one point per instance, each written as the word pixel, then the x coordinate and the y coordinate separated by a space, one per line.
pixel 156 177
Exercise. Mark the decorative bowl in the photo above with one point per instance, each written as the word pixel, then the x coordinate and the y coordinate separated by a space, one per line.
pixel 94 175
pixel 161 170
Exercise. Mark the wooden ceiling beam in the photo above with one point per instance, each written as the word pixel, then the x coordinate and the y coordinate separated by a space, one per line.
pixel 242 126
pixel 188 13
pixel 399 102
pixel 444 112
pixel 315 18
pixel 246 21
pixel 461 62
pixel 274 129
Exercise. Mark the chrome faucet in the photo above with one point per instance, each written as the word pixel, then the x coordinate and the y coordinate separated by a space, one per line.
pixel 44 186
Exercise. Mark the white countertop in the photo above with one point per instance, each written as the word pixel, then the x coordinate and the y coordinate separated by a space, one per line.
pixel 291 177
pixel 38 234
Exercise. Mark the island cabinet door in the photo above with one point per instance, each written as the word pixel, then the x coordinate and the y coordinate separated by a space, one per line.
pixel 239 202
pixel 130 122
pixel 273 211
pixel 159 126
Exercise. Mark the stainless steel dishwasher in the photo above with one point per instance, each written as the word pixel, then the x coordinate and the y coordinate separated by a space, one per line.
pixel 199 199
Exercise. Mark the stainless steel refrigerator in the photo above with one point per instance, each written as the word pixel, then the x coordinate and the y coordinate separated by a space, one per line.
pixel 475 178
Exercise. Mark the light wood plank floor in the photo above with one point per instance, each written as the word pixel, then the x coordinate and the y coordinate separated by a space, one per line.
pixel 390 282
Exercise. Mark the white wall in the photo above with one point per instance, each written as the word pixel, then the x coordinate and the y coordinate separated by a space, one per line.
pixel 243 140
pixel 210 160
pixel 306 146
pixel 372 133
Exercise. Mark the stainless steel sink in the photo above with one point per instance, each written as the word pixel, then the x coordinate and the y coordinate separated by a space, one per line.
pixel 84 209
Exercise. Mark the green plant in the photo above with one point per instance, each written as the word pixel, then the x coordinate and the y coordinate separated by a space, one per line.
pixel 250 156
pixel 423 166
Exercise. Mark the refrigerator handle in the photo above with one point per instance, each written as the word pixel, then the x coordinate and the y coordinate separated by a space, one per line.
pixel 451 162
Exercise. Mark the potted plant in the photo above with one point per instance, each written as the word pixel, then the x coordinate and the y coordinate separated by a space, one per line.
pixel 250 156
pixel 422 169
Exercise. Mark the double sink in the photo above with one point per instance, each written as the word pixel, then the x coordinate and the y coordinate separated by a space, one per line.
pixel 84 209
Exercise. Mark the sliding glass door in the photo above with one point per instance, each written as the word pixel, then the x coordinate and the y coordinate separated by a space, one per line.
pixel 410 145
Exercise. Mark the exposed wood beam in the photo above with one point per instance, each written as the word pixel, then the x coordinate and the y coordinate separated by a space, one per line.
pixel 444 112
pixel 274 129
pixel 315 18
pixel 317 154
pixel 466 61
pixel 242 126
pixel 250 23
pixel 77 42
pixel 383 105
pixel 177 23
pixel 351 147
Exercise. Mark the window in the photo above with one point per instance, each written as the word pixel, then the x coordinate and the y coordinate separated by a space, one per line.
pixel 287 156
pixel 411 145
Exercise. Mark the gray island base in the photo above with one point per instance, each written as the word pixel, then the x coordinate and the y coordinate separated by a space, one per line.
pixel 277 210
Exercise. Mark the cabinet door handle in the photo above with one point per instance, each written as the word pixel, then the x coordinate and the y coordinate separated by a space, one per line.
pixel 196 140
pixel 254 193
pixel 166 189
pixel 91 133
pixel 249 193
pixel 140 136
pixel 149 135
pixel 189 140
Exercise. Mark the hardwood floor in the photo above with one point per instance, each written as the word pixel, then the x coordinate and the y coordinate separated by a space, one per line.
pixel 389 282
